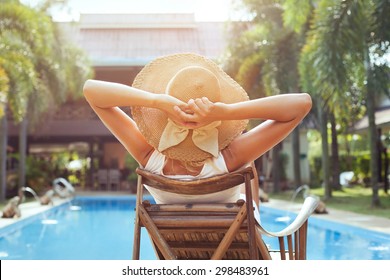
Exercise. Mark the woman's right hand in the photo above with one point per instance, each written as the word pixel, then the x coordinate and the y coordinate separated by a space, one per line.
pixel 171 105
pixel 199 112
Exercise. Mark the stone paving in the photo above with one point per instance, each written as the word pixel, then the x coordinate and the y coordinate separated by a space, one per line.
pixel 29 209
pixel 359 220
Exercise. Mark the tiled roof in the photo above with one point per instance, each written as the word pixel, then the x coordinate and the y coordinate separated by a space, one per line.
pixel 135 39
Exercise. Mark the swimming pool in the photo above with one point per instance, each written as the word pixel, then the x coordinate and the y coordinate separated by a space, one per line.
pixel 101 228
pixel 329 240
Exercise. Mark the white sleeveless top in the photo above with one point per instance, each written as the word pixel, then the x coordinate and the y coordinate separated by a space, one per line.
pixel 212 166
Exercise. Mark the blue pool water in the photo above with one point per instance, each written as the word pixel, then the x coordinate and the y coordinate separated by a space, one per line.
pixel 102 229
pixel 332 241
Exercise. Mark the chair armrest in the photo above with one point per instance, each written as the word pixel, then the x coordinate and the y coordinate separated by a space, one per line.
pixel 308 207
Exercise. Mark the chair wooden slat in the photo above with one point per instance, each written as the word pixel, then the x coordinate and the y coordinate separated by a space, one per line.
pixel 290 247
pixel 282 248
pixel 253 252
pixel 195 187
pixel 302 241
pixel 137 226
pixel 232 231
pixel 189 208
pixel 155 234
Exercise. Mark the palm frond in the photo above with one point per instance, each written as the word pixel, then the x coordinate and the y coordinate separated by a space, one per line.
pixel 42 72
pixel 381 21
pixel 296 13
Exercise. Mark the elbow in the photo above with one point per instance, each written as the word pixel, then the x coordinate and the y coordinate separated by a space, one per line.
pixel 307 102
pixel 87 90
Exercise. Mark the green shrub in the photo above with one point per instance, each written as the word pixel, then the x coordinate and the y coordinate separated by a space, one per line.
pixel 131 165
pixel 359 163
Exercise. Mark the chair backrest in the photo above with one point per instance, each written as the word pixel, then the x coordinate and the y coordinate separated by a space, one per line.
pixel 195 187
pixel 198 222
pixel 102 175
pixel 114 176
pixel 102 178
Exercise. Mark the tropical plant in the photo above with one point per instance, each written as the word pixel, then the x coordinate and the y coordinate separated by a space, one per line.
pixel 42 68
pixel 264 60
pixel 342 64
pixel 346 49
pixel 4 87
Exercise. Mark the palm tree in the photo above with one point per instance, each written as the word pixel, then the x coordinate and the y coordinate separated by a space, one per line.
pixel 43 70
pixel 4 86
pixel 18 71
pixel 266 62
pixel 346 47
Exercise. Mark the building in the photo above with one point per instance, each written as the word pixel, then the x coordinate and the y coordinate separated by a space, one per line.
pixel 119 46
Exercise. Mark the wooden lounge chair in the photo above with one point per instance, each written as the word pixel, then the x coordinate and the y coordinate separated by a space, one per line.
pixel 212 231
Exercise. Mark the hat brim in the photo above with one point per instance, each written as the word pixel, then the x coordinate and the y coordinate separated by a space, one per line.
pixel 151 122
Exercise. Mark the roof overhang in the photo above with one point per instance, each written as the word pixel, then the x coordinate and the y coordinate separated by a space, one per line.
pixel 125 62
pixel 382 120
pixel 67 128
pixel 120 62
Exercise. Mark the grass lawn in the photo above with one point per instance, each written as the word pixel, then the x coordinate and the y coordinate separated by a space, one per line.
pixel 355 199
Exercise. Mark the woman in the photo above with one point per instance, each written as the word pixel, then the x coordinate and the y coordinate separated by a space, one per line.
pixel 188 119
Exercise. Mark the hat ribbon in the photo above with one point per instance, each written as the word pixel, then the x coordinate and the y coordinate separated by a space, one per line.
pixel 205 137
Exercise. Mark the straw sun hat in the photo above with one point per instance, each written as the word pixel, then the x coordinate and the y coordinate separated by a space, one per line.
pixel 187 76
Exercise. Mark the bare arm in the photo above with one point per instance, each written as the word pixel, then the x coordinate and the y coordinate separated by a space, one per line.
pixel 107 95
pixel 282 113
pixel 105 98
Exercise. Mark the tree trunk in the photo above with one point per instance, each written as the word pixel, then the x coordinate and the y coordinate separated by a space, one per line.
pixel 296 157
pixel 22 152
pixel 325 152
pixel 386 175
pixel 335 154
pixel 372 135
pixel 3 157
pixel 372 132
pixel 276 168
